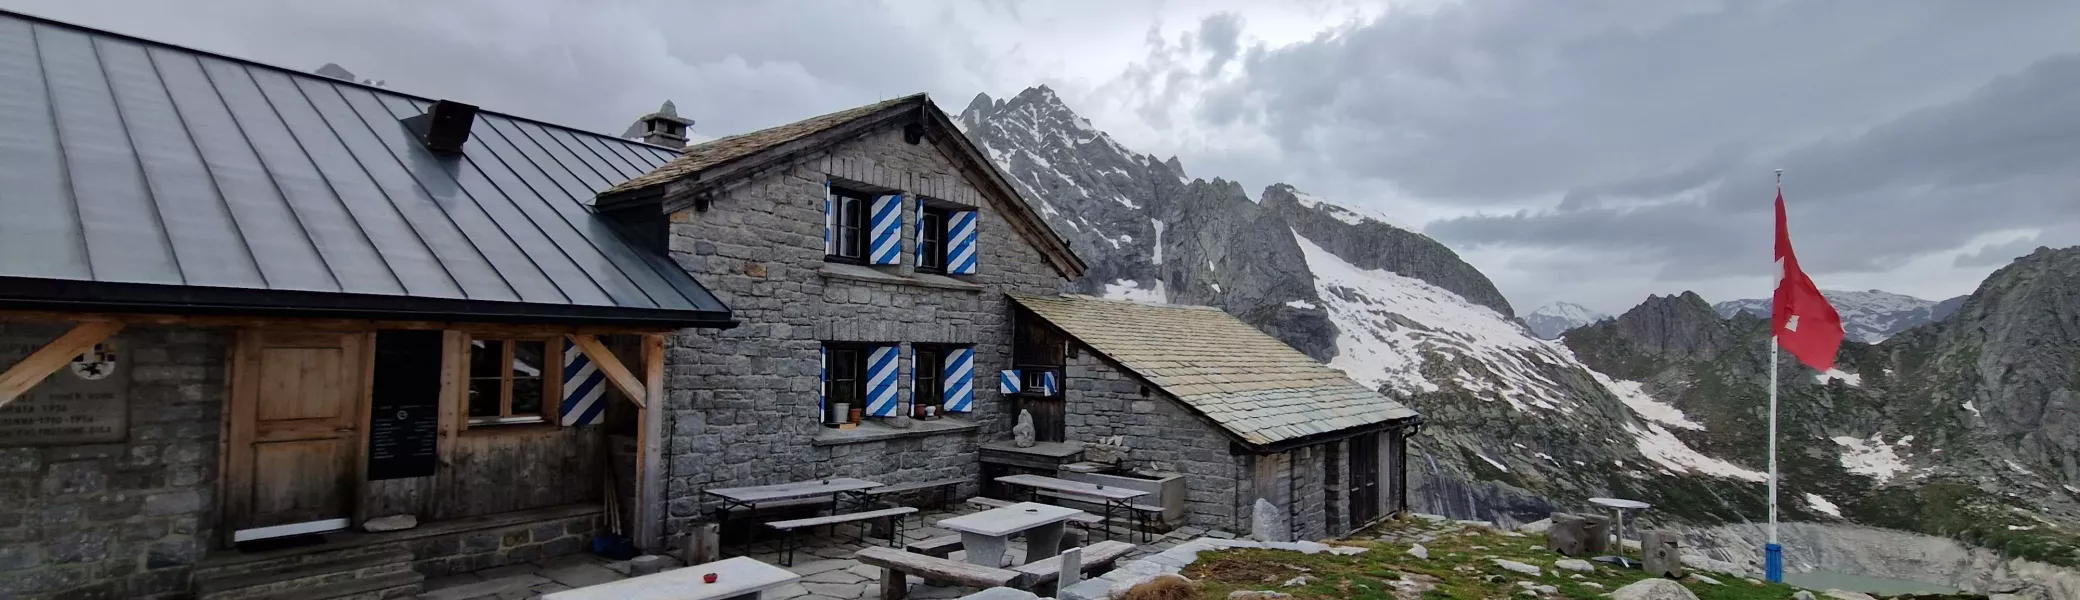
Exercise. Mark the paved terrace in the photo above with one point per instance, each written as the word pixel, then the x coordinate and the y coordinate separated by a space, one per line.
pixel 826 565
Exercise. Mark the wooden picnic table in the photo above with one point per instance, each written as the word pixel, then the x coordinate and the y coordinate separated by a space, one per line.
pixel 735 579
pixel 795 492
pixel 1112 498
pixel 985 535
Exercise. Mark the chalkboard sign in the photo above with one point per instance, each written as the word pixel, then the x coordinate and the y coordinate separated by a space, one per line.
pixel 404 406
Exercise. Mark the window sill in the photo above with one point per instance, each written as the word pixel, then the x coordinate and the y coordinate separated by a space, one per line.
pixel 871 431
pixel 867 274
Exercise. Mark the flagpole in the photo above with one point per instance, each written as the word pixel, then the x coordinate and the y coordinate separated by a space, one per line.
pixel 1772 553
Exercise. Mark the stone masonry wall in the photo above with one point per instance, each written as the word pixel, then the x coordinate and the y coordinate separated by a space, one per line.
pixel 1310 495
pixel 1103 400
pixel 126 519
pixel 742 403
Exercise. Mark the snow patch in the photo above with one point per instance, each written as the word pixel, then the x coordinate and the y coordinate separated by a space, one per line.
pixel 2017 467
pixel 1852 379
pixel 1158 223
pixel 1968 406
pixel 1216 287
pixel 1342 212
pixel 1821 504
pixel 1302 304
pixel 1661 446
pixel 1491 461
pixel 1635 397
pixel 1128 289
pixel 1872 457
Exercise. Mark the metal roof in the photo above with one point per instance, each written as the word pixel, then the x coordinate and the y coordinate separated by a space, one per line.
pixel 1251 384
pixel 139 176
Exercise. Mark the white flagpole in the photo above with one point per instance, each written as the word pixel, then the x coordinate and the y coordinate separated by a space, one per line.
pixel 1773 554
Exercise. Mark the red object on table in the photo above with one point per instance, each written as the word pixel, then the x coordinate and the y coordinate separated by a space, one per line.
pixel 708 578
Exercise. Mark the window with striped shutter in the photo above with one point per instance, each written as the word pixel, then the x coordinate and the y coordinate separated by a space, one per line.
pixel 961 250
pixel 959 380
pixel 882 368
pixel 885 230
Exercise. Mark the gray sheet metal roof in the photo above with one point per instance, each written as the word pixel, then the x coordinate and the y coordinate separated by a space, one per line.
pixel 1256 387
pixel 137 172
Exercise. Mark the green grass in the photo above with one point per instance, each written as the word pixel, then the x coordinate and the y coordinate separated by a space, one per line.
pixel 1459 568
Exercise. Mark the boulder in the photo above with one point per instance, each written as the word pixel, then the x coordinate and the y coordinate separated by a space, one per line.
pixel 1574 564
pixel 1267 523
pixel 1653 589
pixel 1848 595
pixel 1419 551
pixel 1802 595
pixel 1517 567
pixel 1538 526
pixel 1258 595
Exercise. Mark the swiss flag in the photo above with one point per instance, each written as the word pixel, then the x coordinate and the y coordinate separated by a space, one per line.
pixel 1801 319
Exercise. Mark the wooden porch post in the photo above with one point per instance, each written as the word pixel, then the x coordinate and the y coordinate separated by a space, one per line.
pixel 650 484
pixel 53 356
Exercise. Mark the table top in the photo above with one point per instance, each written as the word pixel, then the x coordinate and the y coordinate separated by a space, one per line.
pixel 1619 503
pixel 733 577
pixel 797 489
pixel 1073 487
pixel 1010 519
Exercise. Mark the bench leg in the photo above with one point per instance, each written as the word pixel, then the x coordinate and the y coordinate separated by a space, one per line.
pixel 984 550
pixel 894 585
pixel 1043 542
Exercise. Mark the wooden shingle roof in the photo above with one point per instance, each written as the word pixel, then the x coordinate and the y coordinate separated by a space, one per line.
pixel 1249 383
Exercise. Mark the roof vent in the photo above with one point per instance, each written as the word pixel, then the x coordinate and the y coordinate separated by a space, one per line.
pixel 444 127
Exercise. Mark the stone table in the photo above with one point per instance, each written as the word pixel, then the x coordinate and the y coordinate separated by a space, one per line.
pixel 985 535
pixel 737 578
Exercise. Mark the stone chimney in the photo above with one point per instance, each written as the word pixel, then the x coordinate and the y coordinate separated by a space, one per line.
pixel 664 127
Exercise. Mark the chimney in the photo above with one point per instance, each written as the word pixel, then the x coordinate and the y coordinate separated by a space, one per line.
pixel 663 128
pixel 444 127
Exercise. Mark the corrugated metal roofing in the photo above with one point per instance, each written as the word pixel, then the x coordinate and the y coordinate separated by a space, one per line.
pixel 143 166
pixel 1249 383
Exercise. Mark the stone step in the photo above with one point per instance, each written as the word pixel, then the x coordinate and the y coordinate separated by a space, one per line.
pixel 387 587
pixel 236 563
pixel 304 576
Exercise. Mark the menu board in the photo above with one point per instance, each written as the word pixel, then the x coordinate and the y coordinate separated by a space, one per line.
pixel 404 405
pixel 86 401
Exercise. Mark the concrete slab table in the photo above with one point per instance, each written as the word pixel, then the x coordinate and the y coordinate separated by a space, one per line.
pixel 740 578
pixel 986 535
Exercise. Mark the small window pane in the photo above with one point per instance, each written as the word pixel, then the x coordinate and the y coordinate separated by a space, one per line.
pixel 527 396
pixel 527 358
pixel 484 395
pixel 485 356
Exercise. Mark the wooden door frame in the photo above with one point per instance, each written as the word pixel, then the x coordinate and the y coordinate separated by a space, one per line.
pixel 235 480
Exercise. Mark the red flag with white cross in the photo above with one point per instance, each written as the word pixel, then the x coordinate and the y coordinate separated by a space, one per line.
pixel 1800 317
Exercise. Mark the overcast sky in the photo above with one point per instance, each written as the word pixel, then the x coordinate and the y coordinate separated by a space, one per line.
pixel 1594 152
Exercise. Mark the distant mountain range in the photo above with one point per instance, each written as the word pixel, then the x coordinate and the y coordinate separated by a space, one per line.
pixel 1551 320
pixel 1868 316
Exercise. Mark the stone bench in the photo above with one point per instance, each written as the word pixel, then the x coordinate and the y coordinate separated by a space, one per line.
pixel 1041 574
pixel 897 566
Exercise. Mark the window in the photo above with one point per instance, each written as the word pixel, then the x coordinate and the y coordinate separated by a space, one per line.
pixel 928 367
pixel 1037 349
pixel 844 390
pixel 931 241
pixel 506 382
pixel 849 229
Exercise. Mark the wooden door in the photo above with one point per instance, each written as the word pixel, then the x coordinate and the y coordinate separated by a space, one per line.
pixel 1050 423
pixel 1364 479
pixel 296 427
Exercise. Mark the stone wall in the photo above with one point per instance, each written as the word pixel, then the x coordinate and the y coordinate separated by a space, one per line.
pixel 126 519
pixel 1103 400
pixel 742 404
pixel 1310 495
pixel 514 543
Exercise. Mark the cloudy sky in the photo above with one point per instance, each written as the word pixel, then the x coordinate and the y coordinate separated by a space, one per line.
pixel 1586 151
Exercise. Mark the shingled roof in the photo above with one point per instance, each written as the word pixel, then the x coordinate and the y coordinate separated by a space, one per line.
pixel 720 162
pixel 1254 386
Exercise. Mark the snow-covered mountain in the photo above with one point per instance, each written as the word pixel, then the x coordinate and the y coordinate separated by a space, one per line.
pixel 1868 316
pixel 1551 320
pixel 1515 424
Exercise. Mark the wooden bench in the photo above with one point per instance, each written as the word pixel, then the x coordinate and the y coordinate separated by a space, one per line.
pixel 945 486
pixel 897 566
pixel 1097 557
pixel 790 541
pixel 1144 512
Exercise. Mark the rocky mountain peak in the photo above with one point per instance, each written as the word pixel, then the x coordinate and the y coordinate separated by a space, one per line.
pixel 1675 326
pixel 1551 320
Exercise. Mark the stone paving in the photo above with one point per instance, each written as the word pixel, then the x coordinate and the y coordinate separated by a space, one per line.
pixel 825 564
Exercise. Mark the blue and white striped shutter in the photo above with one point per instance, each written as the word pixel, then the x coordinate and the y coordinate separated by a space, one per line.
pixel 885 228
pixel 1048 385
pixel 583 385
pixel 917 235
pixel 959 380
pixel 1008 382
pixel 830 218
pixel 881 381
pixel 960 244
pixel 823 384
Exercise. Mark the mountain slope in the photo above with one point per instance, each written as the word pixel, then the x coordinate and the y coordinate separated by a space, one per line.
pixel 1551 320
pixel 1867 316
pixel 1514 423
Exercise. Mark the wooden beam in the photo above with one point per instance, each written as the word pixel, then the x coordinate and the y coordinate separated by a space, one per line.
pixel 53 356
pixel 610 365
pixel 650 486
